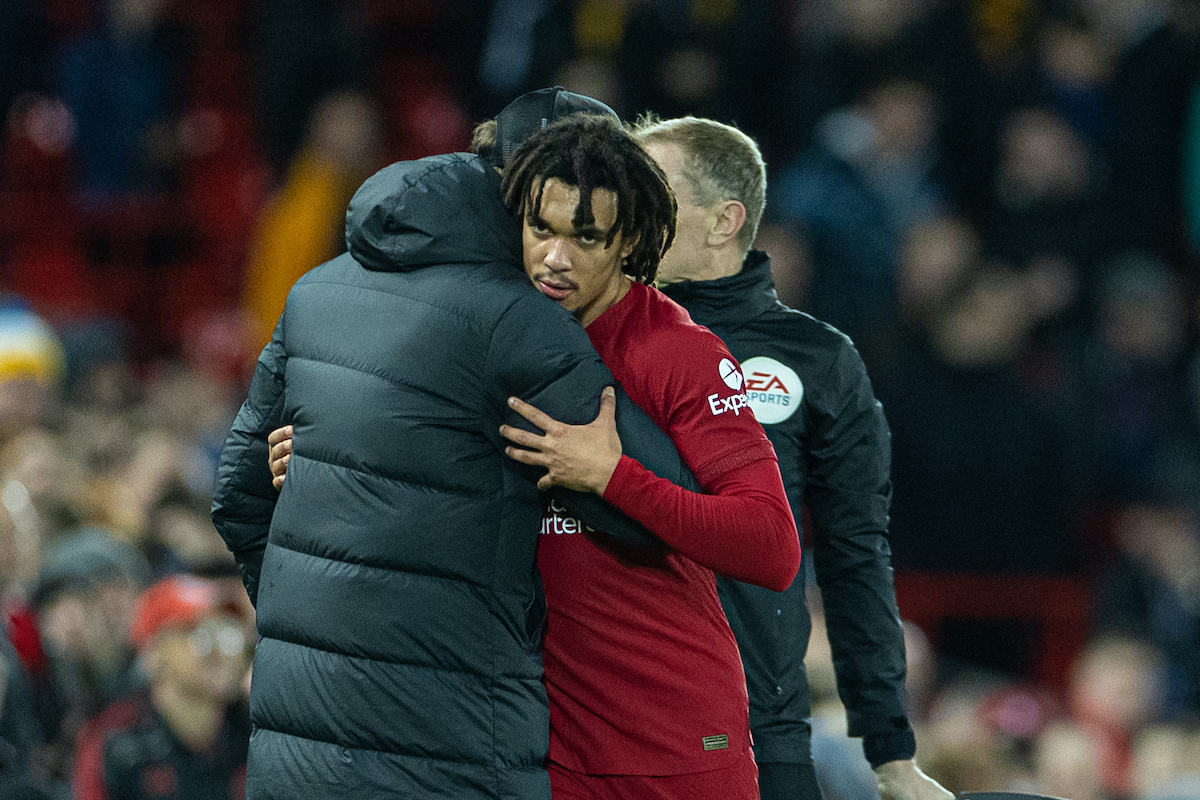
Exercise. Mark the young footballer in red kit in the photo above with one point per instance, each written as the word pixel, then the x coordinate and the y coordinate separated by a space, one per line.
pixel 646 688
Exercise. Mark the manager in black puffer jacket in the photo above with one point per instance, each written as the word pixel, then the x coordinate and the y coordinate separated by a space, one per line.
pixel 397 602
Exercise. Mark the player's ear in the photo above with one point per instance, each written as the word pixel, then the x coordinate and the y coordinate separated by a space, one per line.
pixel 725 220
pixel 628 243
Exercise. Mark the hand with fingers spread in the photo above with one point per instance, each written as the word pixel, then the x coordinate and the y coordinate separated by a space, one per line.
pixel 580 457
pixel 280 442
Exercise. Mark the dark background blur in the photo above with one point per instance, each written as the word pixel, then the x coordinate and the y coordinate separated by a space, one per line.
pixel 998 200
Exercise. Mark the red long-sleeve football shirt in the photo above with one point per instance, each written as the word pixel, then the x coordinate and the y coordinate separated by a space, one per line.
pixel 642 671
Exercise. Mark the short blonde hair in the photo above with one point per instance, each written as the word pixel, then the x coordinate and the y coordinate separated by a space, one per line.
pixel 720 162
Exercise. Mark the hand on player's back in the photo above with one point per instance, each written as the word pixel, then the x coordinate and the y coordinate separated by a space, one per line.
pixel 580 457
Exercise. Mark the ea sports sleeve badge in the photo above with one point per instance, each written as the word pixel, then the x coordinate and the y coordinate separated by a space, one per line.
pixel 773 388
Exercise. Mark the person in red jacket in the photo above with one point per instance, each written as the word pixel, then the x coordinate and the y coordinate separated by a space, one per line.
pixel 646 688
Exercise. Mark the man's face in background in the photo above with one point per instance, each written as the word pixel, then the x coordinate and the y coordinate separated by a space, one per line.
pixel 692 222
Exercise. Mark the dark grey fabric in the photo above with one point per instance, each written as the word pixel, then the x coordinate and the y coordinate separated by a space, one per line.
pixel 20 732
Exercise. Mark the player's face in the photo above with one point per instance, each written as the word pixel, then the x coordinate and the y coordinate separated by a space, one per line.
pixel 685 259
pixel 570 265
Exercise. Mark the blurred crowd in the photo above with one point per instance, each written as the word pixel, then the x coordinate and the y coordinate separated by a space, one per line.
pixel 998 200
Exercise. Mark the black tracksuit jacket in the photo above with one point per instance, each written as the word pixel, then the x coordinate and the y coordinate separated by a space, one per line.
pixel 809 388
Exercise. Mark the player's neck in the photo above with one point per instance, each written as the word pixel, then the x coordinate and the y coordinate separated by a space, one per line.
pixel 618 290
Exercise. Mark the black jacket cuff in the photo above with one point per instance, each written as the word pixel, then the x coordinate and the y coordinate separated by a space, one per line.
pixel 899 746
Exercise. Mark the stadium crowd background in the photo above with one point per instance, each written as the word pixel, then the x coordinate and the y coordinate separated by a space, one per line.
pixel 999 200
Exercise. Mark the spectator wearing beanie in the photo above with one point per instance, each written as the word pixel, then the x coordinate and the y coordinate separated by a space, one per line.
pixel 32 365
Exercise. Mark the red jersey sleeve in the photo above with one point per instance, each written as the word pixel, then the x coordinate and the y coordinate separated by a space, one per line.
pixel 742 526
pixel 742 529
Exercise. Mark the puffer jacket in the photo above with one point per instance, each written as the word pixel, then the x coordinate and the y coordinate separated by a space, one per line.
pixel 398 606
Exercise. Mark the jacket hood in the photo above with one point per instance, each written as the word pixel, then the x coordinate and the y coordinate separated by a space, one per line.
pixel 439 210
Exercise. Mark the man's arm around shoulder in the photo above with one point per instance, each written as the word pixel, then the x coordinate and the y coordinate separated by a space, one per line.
pixel 542 356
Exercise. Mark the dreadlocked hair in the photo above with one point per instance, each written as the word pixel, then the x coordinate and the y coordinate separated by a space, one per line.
pixel 589 151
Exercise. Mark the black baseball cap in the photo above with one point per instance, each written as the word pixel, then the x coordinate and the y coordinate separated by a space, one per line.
pixel 533 111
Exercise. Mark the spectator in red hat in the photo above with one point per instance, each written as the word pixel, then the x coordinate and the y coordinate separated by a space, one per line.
pixel 184 734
